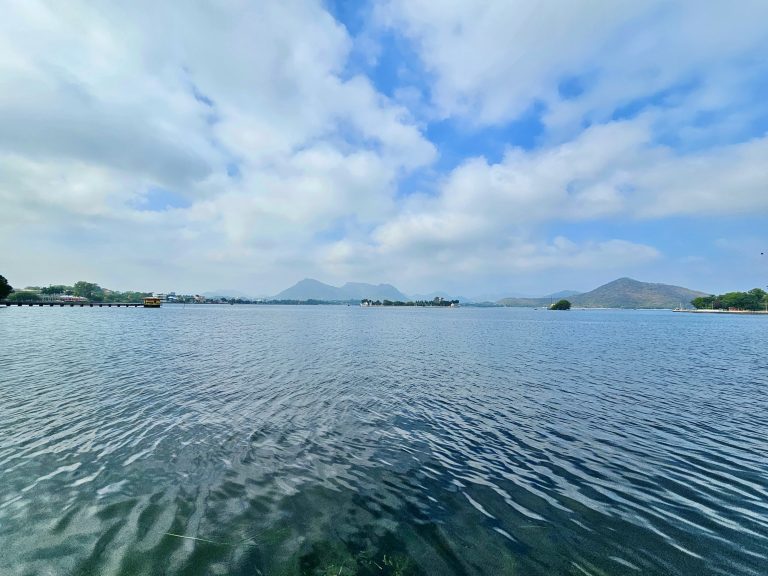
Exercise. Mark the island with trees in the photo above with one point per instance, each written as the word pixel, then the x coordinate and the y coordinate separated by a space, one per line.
pixel 561 305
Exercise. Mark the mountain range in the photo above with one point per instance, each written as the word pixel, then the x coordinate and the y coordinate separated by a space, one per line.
pixel 621 293
pixel 563 294
pixel 225 293
pixel 310 289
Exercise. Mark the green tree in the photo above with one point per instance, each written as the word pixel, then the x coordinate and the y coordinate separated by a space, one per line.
pixel 89 290
pixel 755 299
pixel 57 289
pixel 130 296
pixel 741 300
pixel 704 302
pixel 24 296
pixel 5 288
pixel 561 305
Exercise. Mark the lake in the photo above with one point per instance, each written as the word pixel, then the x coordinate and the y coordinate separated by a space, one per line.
pixel 335 440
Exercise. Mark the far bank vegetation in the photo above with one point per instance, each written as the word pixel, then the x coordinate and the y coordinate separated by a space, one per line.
pixel 755 299
pixel 88 290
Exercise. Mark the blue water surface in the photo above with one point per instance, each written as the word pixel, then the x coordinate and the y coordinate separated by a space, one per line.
pixel 335 440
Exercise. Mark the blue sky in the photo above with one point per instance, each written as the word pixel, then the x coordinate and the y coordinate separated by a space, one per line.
pixel 494 147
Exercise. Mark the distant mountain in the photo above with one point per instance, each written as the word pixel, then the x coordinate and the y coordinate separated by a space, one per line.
pixel 563 294
pixel 495 296
pixel 629 293
pixel 360 290
pixel 621 293
pixel 222 293
pixel 310 289
pixel 525 302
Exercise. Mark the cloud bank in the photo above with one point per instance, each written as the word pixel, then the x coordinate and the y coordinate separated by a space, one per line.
pixel 245 145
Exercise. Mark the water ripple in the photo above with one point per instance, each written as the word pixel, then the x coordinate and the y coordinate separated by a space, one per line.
pixel 336 440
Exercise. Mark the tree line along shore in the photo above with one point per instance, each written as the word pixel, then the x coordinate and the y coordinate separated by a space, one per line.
pixel 80 290
pixel 754 300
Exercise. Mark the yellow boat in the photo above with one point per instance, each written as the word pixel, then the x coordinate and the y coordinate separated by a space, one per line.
pixel 151 302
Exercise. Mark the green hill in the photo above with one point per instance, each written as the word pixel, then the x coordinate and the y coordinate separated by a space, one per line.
pixel 629 293
pixel 621 293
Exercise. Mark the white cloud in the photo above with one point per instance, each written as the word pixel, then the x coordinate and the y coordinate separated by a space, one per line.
pixel 291 166
pixel 610 170
pixel 729 180
pixel 488 216
pixel 494 261
pixel 100 103
pixel 491 61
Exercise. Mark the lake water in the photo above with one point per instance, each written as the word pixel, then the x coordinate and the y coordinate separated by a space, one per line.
pixel 336 440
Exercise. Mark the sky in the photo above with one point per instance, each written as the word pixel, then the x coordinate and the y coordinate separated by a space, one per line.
pixel 490 147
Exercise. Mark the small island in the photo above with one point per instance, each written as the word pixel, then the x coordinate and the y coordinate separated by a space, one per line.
pixel 561 305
